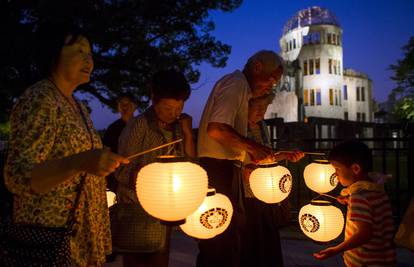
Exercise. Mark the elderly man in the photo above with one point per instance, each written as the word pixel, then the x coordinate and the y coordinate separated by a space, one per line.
pixel 223 147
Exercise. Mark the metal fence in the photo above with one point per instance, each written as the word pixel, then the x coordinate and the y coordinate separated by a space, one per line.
pixel 393 156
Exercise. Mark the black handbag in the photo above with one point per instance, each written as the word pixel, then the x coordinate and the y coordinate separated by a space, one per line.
pixel 25 245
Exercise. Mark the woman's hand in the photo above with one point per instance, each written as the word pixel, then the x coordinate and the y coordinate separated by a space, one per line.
pixel 101 162
pixel 186 123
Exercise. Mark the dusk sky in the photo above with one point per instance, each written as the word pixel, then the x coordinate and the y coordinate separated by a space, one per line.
pixel 373 34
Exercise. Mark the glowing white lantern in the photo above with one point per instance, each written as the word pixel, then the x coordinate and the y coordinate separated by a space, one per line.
pixel 110 198
pixel 171 188
pixel 211 218
pixel 320 176
pixel 321 221
pixel 271 183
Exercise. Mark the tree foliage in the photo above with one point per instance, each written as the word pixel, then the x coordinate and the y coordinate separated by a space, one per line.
pixel 132 39
pixel 404 77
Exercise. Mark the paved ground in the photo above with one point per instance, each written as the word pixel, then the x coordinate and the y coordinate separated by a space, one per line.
pixel 297 252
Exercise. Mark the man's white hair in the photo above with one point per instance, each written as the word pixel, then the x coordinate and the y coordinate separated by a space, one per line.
pixel 270 60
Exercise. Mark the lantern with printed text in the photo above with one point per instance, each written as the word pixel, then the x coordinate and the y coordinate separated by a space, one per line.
pixel 271 183
pixel 211 218
pixel 171 188
pixel 110 198
pixel 321 221
pixel 320 176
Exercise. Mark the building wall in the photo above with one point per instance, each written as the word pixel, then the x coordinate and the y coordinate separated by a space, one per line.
pixel 358 102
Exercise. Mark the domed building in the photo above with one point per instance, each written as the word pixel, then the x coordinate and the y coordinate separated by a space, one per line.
pixel 311 45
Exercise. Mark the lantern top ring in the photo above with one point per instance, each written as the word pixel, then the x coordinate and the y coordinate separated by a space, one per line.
pixel 172 158
pixel 321 203
pixel 268 165
pixel 322 161
pixel 211 192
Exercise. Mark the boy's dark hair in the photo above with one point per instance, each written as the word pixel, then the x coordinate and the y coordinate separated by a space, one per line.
pixel 170 84
pixel 49 41
pixel 353 151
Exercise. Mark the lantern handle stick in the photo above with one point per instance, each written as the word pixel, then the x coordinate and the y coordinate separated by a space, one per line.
pixel 153 149
pixel 306 153
pixel 326 195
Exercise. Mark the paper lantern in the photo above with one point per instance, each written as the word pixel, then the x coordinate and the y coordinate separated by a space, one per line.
pixel 320 176
pixel 211 218
pixel 321 221
pixel 271 183
pixel 171 188
pixel 110 198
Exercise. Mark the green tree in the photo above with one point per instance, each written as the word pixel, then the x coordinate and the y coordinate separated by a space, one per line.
pixel 132 40
pixel 404 77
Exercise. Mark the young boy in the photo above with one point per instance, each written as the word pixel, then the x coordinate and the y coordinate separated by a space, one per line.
pixel 369 224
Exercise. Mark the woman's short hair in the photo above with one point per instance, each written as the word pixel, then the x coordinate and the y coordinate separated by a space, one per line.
pixel 169 84
pixel 353 151
pixel 49 41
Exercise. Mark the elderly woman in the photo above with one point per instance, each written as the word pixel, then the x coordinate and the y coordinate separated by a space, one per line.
pixel 161 123
pixel 53 144
pixel 261 240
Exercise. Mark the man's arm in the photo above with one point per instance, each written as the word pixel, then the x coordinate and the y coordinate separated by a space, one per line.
pixel 227 136
pixel 363 235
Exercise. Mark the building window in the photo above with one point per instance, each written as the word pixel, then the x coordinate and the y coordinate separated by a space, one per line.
pixel 305 67
pixel 358 93
pixel 363 117
pixel 294 43
pixel 312 97
pixel 362 93
pixel 345 92
pixel 340 97
pixel 331 97
pixel 330 66
pixel 329 38
pixel 346 115
pixel 336 98
pixel 290 45
pixel 306 97
pixel 339 67
pixel 358 116
pixel 317 66
pixel 287 47
pixel 318 97
pixel 334 66
pixel 338 40
pixel 311 66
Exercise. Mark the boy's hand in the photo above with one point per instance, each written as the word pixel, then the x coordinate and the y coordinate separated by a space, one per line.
pixel 326 253
pixel 343 200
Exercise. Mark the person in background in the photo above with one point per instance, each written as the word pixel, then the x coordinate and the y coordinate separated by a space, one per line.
pixel 369 228
pixel 261 239
pixel 223 147
pixel 126 107
pixel 161 123
pixel 53 144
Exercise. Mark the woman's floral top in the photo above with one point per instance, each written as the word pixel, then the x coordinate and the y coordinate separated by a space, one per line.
pixel 45 126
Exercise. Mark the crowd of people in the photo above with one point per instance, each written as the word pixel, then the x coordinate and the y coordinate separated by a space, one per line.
pixel 54 145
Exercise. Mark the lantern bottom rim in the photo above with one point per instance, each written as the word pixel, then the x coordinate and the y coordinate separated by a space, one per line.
pixel 321 203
